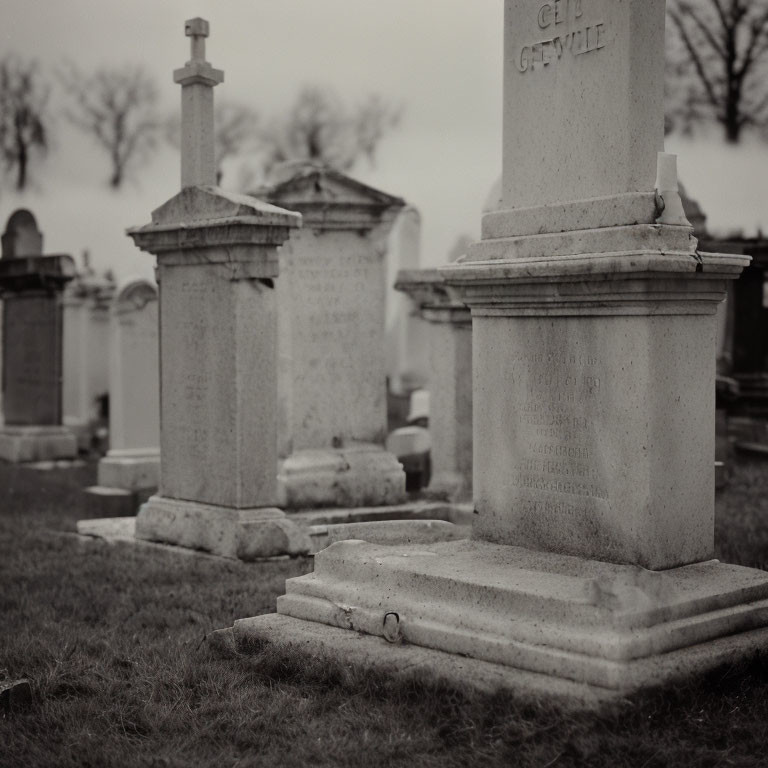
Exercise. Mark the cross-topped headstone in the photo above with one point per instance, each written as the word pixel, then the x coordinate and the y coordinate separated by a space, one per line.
pixel 197 80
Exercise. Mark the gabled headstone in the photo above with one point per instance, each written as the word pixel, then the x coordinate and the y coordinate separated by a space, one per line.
pixel 332 381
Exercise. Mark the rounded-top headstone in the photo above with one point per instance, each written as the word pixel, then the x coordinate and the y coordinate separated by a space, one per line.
pixel 134 294
pixel 22 236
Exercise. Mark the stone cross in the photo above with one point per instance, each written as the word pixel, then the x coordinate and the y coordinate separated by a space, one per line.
pixel 197 80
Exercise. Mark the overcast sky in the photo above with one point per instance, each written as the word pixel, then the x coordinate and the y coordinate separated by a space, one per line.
pixel 440 59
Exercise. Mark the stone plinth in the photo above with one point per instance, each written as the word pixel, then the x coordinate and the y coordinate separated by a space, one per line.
pixel 450 380
pixel 31 285
pixel 332 379
pixel 216 265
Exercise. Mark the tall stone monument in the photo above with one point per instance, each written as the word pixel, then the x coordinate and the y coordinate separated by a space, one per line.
pixel 449 340
pixel 216 266
pixel 590 568
pixel 131 468
pixel 31 286
pixel 332 381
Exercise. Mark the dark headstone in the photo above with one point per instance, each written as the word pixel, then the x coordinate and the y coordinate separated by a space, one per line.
pixel 22 237
pixel 31 285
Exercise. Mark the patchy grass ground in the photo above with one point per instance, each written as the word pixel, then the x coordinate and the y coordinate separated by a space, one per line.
pixel 112 641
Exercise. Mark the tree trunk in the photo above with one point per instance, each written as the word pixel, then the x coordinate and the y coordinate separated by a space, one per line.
pixel 21 164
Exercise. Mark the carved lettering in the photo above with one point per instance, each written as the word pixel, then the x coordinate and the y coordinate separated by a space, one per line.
pixel 577 40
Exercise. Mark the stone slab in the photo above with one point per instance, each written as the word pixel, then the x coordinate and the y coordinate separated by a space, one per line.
pixel 388 532
pixel 459 514
pixel 405 662
pixel 611 626
pixel 305 640
pixel 34 444
pixel 358 476
pixel 120 532
pixel 245 534
pixel 130 472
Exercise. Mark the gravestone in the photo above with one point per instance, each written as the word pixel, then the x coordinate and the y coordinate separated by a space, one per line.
pixel 86 348
pixel 590 570
pixel 31 286
pixel 406 333
pixel 216 267
pixel 449 380
pixel 332 382
pixel 131 467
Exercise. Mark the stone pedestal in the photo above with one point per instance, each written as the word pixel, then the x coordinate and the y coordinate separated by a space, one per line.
pixel 332 379
pixel 450 380
pixel 593 317
pixel 216 265
pixel 31 285
pixel 132 464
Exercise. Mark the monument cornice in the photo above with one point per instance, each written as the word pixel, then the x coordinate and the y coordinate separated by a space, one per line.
pixel 437 301
pixel 625 283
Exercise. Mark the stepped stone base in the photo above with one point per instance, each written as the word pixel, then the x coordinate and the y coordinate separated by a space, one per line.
pixel 611 627
pixel 29 444
pixel 364 475
pixel 244 534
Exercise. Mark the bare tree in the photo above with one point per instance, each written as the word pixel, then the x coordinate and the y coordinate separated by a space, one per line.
pixel 116 107
pixel 320 127
pixel 725 46
pixel 23 116
pixel 236 129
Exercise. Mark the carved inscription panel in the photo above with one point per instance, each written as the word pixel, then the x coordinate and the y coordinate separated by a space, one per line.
pixel 334 292
pixel 545 450
pixel 565 31
pixel 32 360
pixel 559 392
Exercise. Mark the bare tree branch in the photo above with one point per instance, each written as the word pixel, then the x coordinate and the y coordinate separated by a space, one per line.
pixel 726 46
pixel 24 120
pixel 116 107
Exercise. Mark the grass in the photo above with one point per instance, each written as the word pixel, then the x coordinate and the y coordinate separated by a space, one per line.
pixel 113 641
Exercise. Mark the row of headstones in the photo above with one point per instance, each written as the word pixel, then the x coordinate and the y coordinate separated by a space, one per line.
pixel 330 305
pixel 57 326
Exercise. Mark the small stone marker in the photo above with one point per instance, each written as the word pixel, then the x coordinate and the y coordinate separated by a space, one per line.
pixel 31 286
pixel 216 265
